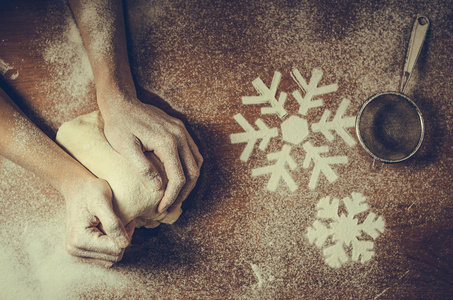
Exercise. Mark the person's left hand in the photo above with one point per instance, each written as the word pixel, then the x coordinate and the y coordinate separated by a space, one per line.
pixel 93 231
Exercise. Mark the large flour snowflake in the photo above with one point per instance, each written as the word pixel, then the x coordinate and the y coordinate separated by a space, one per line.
pixel 340 234
pixel 294 131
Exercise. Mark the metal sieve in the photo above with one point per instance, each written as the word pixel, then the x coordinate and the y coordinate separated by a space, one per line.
pixel 389 125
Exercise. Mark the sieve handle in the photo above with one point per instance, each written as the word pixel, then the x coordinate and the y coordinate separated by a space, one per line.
pixel 376 166
pixel 418 35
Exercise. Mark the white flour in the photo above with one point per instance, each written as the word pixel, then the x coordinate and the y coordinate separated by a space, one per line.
pixel 5 67
pixel 35 265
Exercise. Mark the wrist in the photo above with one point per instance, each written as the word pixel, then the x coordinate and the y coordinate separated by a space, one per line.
pixel 75 179
pixel 113 79
pixel 111 95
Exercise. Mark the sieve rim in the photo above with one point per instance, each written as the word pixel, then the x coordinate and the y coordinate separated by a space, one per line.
pixel 362 143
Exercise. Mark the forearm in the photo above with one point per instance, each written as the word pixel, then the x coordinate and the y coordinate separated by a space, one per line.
pixel 130 126
pixel 101 24
pixel 22 142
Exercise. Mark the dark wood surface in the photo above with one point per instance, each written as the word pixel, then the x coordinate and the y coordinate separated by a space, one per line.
pixel 236 239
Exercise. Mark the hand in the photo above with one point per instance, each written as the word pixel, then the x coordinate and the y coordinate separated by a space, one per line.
pixel 133 127
pixel 93 231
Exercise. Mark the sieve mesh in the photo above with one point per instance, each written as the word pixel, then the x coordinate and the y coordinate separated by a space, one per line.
pixel 390 127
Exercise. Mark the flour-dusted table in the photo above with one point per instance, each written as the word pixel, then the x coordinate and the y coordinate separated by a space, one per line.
pixel 287 207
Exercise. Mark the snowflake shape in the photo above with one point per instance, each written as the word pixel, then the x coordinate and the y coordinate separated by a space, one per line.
pixel 344 231
pixel 295 130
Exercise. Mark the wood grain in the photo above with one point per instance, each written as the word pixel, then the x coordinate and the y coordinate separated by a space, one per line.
pixel 196 60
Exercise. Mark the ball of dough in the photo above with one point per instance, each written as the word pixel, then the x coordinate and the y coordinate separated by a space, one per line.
pixel 84 139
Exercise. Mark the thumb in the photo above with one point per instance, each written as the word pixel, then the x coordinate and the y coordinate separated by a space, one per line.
pixel 112 226
pixel 144 168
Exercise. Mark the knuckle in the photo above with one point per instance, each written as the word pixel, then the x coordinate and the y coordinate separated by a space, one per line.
pixel 117 251
pixel 120 256
pixel 180 181
pixel 170 141
pixel 194 174
pixel 179 123
pixel 73 241
pixel 70 248
pixel 180 131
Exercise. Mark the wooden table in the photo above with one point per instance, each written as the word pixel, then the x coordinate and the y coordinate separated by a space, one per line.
pixel 241 237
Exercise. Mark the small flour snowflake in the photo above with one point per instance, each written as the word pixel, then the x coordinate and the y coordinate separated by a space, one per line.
pixel 345 231
pixel 295 131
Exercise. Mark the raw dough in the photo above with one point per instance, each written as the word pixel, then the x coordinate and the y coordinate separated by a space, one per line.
pixel 84 139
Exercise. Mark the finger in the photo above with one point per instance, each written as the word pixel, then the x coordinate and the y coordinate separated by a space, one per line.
pixel 181 197
pixel 92 240
pixel 175 174
pixel 152 224
pixel 192 172
pixel 98 262
pixel 194 148
pixel 96 255
pixel 146 171
pixel 192 159
pixel 112 226
pixel 174 212
pixel 121 255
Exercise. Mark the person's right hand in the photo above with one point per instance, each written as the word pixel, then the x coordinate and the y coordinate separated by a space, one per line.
pixel 132 128
pixel 93 231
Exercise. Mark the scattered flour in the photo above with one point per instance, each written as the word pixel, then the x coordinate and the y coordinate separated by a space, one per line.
pixel 68 58
pixel 5 67
pixel 35 265
pixel 70 86
pixel 33 261
pixel 14 76
pixel 261 277
pixel 99 21
pixel 23 135
pixel 191 55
